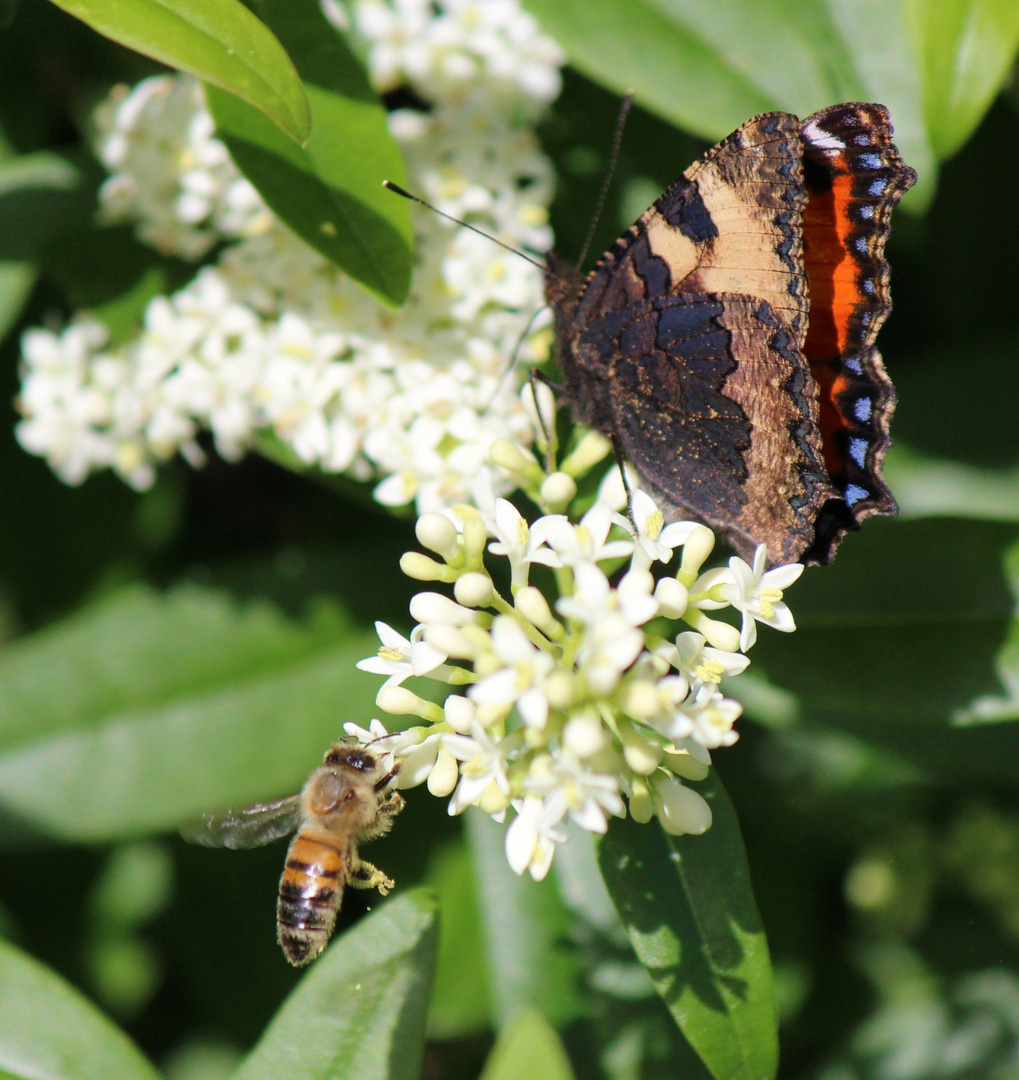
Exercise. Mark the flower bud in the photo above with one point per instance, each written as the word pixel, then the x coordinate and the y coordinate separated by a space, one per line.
pixel 473 589
pixel 589 451
pixel 640 699
pixel 422 568
pixel 561 689
pixel 531 603
pixel 557 492
pixel 672 598
pixel 583 735
pixel 699 545
pixel 437 533
pixel 402 702
pixel 642 809
pixel 459 712
pixel 641 754
pixel 475 536
pixel 685 766
pixel 509 456
pixel 444 775
pixel 431 607
pixel 451 640
pixel 718 634
pixel 680 809
pixel 493 799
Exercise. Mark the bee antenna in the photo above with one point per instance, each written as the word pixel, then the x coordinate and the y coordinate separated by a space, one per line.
pixel 624 112
pixel 449 217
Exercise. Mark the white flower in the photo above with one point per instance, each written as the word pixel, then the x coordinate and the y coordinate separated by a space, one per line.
pixel 485 767
pixel 532 836
pixel 571 787
pixel 588 541
pixel 399 658
pixel 654 539
pixel 758 595
pixel 521 543
pixel 521 681
pixel 699 663
pixel 610 617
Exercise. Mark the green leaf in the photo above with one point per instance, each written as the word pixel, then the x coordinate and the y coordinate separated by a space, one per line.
pixel 966 49
pixel 47 1029
pixel 145 710
pixel 359 1012
pixel 525 925
pixel 875 35
pixel 926 487
pixel 646 47
pixel 16 281
pixel 460 1001
pixel 709 67
pixel 528 1046
pixel 41 195
pixel 220 41
pixel 898 636
pixel 688 907
pixel 330 190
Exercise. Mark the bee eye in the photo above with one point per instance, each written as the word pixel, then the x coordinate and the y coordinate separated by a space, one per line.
pixel 361 760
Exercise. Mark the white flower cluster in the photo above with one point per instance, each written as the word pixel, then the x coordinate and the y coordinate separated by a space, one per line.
pixel 570 707
pixel 273 345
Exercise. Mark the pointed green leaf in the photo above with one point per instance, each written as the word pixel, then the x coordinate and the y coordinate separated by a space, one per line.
pixel 16 281
pixel 41 195
pixel 525 924
pixel 146 709
pixel 330 190
pixel 47 1029
pixel 528 1046
pixel 709 67
pixel 460 1001
pixel 689 909
pixel 220 41
pixel 644 46
pixel 359 1011
pixel 966 49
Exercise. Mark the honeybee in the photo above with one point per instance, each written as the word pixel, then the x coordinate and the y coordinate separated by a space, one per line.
pixel 348 800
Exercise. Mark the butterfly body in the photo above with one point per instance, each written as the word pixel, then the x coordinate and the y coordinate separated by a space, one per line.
pixel 725 342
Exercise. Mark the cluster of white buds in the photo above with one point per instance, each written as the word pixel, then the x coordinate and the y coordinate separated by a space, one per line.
pixel 569 698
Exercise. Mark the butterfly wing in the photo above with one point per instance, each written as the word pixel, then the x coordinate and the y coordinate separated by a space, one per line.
pixel 715 406
pixel 854 177
pixel 250 827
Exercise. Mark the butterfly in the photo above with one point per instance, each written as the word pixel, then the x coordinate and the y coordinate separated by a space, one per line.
pixel 725 343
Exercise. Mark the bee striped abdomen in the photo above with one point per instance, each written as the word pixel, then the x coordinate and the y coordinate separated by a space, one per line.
pixel 310 892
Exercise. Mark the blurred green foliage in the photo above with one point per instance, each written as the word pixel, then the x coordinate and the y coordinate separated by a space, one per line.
pixel 194 646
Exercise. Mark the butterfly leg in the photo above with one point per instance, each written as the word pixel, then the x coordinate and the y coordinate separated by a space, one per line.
pixel 537 376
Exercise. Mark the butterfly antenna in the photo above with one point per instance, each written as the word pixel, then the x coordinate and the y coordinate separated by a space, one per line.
pixel 449 217
pixel 624 112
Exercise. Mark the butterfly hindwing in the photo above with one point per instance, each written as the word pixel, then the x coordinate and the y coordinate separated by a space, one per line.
pixel 855 177
pixel 708 390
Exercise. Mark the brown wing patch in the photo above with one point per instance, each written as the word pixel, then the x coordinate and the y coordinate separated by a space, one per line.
pixel 715 406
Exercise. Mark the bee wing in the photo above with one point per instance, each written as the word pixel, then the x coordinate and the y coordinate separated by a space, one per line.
pixel 250 827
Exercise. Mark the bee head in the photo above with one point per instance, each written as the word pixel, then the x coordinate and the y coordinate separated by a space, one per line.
pixel 351 757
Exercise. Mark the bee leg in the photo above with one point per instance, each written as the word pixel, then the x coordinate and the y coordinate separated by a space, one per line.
pixel 363 875
pixel 393 804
